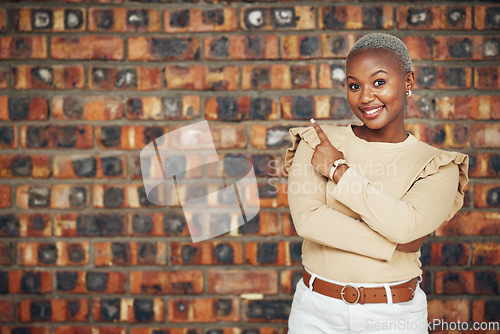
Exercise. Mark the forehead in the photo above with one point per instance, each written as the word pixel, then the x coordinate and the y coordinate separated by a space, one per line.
pixel 374 58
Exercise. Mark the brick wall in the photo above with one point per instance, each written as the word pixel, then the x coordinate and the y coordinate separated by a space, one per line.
pixel 86 84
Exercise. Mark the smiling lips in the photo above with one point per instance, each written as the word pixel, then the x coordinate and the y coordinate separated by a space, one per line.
pixel 372 112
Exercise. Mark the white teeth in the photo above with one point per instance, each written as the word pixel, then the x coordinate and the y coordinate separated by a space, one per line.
pixel 371 112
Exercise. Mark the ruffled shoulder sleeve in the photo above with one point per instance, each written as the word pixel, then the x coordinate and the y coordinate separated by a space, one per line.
pixel 443 158
pixel 306 133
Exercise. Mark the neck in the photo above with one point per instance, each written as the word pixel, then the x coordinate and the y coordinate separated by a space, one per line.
pixel 381 135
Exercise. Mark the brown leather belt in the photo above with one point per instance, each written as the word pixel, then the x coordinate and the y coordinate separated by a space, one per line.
pixel 350 294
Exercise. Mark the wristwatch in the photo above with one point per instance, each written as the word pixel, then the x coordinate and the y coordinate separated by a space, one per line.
pixel 335 165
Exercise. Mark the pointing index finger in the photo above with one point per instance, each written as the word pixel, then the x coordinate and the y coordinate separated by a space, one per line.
pixel 322 136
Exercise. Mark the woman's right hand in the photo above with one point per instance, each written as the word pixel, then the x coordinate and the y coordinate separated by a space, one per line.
pixel 412 246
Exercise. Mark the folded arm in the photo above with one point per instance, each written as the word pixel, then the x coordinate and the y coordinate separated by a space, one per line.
pixel 316 221
pixel 419 212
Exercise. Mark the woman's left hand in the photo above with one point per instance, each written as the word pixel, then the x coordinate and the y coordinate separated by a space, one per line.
pixel 325 154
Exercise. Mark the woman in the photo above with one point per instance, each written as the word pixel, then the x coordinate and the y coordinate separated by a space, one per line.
pixel 364 197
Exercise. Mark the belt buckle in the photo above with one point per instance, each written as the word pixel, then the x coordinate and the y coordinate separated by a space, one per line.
pixel 342 293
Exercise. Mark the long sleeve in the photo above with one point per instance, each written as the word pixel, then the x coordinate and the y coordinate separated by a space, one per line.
pixel 419 212
pixel 316 221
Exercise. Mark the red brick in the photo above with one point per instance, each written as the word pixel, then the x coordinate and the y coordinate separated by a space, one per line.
pixel 6 310
pixel 316 46
pixel 229 108
pixel 127 309
pixel 279 253
pixel 48 77
pixel 356 17
pixel 9 138
pixel 485 135
pixel 487 77
pixel 21 19
pixel 451 310
pixel 89 330
pixel 449 254
pixel 442 77
pixel 53 253
pixel 278 77
pixel 3 18
pixel 171 223
pixel 43 284
pixel 62 196
pixel 120 196
pixel 449 135
pixel 170 330
pixel 419 107
pixel 87 48
pixel 62 310
pixel 73 166
pixel 124 19
pixel 3 78
pixel 273 195
pixel 14 166
pixel 290 18
pixel 420 47
pixel 200 20
pixel 487 195
pixel 164 108
pixel 242 281
pixel 203 310
pixel 5 254
pixel 466 48
pixel 130 253
pixel 89 224
pixel 5 197
pixel 468 107
pixel 486 311
pixel 466 282
pixel 163 282
pixel 127 137
pixel 288 228
pixel 485 254
pixel 206 253
pixel 163 48
pixel 434 17
pixel 92 108
pixel 201 77
pixel 332 76
pixel 25 47
pixel 225 136
pixel 471 223
pixel 114 282
pixel 273 136
pixel 136 78
pixel 319 107
pixel 241 47
pixel 23 108
pixel 35 225
pixel 483 165
pixel 289 280
pixel 265 223
pixel 484 17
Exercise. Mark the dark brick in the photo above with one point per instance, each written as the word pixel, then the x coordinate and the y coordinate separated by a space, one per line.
pixel 43 74
pixel 41 19
pixel 486 282
pixel 66 280
pixel 492 308
pixel 227 108
pixel 105 19
pixel 6 135
pixel 455 76
pixel 112 166
pixel 110 136
pixel 47 253
pixel 72 107
pixel 268 309
pixel 152 132
pixel 267 252
pixel 143 310
pixel 277 136
pixel 224 253
pixel 493 197
pixel 260 76
pixel 4 282
pixel 110 309
pixel 223 307
pixel 73 307
pixel 302 107
pixel 296 251
pixel 220 47
pixel 309 45
pixel 180 19
pixel 85 167
pixel 187 253
pixel 73 19
pixel 19 108
pixel 174 223
pixel 96 281
pixel 142 224
pixel 251 227
pixel 260 108
pixel 169 48
pixel 428 76
pixel 22 166
pixel 452 253
pixel 9 225
pixel 40 310
pixel 126 78
pixel 425 254
pixel 113 197
pixel 100 224
pixel 121 252
pixel 76 253
pixel 284 17
pixel 213 17
pixel 146 252
pixel 137 18
pixel 78 196
pixel 491 20
pixel 31 282
pixel 267 191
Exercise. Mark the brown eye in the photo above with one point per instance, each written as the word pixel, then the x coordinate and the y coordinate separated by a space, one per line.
pixel 378 83
pixel 353 86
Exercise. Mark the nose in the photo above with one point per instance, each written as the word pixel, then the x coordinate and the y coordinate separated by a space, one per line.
pixel 366 95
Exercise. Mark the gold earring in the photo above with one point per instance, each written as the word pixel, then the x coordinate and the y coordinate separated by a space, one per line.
pixel 408 93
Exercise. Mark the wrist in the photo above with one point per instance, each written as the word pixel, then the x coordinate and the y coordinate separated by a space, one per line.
pixel 335 166
pixel 337 175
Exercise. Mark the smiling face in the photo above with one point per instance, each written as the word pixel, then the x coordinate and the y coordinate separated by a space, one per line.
pixel 376 87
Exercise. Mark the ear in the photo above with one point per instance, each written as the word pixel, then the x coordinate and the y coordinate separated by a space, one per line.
pixel 410 80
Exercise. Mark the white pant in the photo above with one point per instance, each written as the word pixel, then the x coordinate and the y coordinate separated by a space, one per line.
pixel 314 313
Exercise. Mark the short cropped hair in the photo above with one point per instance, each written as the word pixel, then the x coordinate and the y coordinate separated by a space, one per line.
pixel 386 42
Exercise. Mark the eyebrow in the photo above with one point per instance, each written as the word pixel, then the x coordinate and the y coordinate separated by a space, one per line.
pixel 373 74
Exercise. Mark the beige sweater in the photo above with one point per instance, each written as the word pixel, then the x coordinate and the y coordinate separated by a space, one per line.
pixel 392 193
